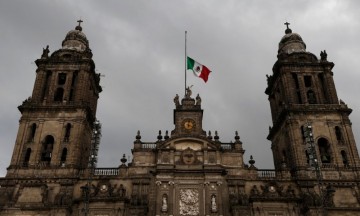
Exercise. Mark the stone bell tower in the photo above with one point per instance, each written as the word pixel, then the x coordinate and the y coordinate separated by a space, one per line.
pixel 301 90
pixel 55 128
pixel 188 116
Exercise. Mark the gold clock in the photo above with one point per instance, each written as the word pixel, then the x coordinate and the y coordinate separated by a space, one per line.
pixel 189 124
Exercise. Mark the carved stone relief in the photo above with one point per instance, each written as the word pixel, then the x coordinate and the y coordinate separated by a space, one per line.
pixel 189 202
pixel 64 197
pixel 165 157
pixel 188 157
pixel 212 157
pixel 6 195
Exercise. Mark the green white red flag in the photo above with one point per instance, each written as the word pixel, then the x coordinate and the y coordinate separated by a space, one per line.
pixel 199 70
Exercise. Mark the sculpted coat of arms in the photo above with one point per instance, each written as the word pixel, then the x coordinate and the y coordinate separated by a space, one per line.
pixel 189 202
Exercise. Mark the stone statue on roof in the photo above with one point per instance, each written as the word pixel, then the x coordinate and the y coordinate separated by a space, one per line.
pixel 45 53
pixel 188 92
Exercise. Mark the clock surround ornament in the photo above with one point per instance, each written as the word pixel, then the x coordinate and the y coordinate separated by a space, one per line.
pixel 188 125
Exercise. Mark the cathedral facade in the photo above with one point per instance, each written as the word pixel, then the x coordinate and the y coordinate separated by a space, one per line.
pixel 186 171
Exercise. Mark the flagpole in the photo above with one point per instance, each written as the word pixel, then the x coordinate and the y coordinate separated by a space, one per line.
pixel 185 60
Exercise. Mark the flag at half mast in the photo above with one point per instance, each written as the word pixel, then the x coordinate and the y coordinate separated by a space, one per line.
pixel 199 70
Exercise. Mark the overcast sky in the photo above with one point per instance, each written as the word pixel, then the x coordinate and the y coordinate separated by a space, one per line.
pixel 139 48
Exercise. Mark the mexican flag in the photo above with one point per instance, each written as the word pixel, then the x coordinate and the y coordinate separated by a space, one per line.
pixel 199 70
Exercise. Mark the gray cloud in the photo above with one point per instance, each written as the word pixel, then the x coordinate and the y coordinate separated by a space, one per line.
pixel 139 47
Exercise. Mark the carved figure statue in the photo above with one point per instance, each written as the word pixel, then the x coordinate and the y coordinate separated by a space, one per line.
pixel 45 53
pixel 213 204
pixel 254 191
pixel 95 190
pixel 59 197
pixel 323 55
pixel 122 191
pixel 164 206
pixel 188 92
pixel 329 196
pixel 198 100
pixel 243 199
pixel 290 191
pixel 176 100
pixel 111 189
pixel 268 78
pixel 44 193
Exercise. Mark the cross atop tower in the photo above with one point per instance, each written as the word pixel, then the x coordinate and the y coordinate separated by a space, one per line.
pixel 288 30
pixel 287 24
pixel 79 28
pixel 79 21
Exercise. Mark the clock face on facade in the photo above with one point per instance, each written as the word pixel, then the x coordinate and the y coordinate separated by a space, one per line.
pixel 188 124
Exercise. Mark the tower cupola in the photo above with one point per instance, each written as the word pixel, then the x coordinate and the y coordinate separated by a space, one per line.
pixel 291 42
pixel 76 39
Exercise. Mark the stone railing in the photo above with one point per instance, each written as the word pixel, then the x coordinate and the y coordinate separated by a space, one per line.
pixel 43 164
pixel 148 145
pixel 226 146
pixel 328 166
pixel 266 173
pixel 106 171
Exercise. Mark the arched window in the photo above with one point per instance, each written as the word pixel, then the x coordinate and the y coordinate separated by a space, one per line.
pixel 307 156
pixel 73 84
pixel 323 87
pixel 63 155
pixel 302 133
pixel 338 133
pixel 32 132
pixel 311 97
pixel 324 149
pixel 27 157
pixel 284 155
pixel 59 94
pixel 67 132
pixel 61 78
pixel 46 85
pixel 307 81
pixel 47 148
pixel 71 97
pixel 344 157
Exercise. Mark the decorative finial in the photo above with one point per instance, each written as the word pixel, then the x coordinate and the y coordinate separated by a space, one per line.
pixel 209 136
pixel 251 161
pixel 123 160
pixel 166 135
pixel 216 137
pixel 288 30
pixel 79 28
pixel 159 137
pixel 237 137
pixel 138 136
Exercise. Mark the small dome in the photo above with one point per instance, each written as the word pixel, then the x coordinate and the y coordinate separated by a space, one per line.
pixel 291 42
pixel 75 40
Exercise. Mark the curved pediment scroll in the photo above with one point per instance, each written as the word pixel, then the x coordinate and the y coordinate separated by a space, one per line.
pixel 196 144
pixel 187 152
